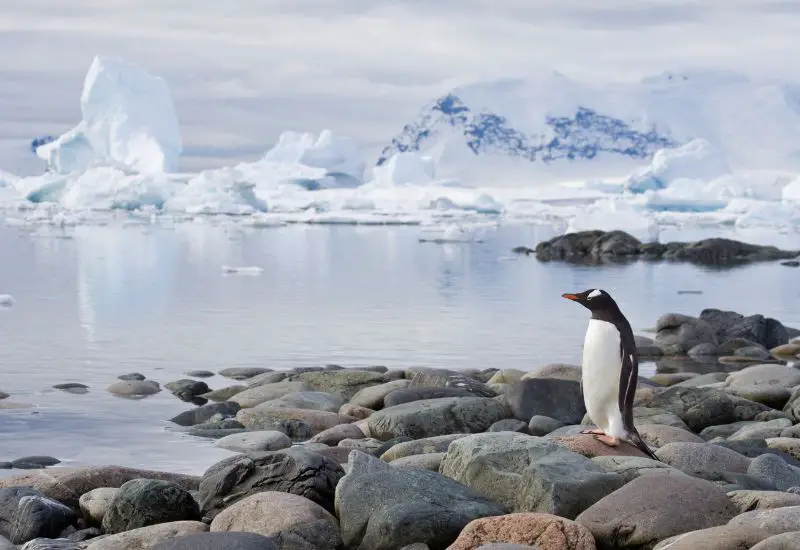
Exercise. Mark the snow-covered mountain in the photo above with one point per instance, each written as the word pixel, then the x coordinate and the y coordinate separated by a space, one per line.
pixel 517 131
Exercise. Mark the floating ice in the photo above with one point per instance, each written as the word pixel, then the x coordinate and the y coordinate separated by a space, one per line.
pixel 339 158
pixel 244 270
pixel 612 215
pixel 450 234
pixel 405 168
pixel 6 300
pixel 697 160
pixel 774 215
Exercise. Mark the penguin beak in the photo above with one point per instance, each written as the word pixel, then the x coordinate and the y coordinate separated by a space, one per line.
pixel 572 297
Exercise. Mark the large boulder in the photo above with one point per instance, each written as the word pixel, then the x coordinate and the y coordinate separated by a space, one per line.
pixel 702 459
pixel 553 397
pixel 654 507
pixel 677 333
pixel 775 520
pixel 372 397
pixel 764 375
pixel 346 382
pixel 295 470
pixel 142 502
pixel 256 395
pixel 755 328
pixel 544 530
pixel 427 445
pixel 528 474
pixel 26 514
pixel 407 395
pixel 432 417
pixel 218 541
pixel 698 407
pixel 266 417
pixel 313 400
pixel 747 501
pixel 385 508
pixel 144 538
pixel 722 537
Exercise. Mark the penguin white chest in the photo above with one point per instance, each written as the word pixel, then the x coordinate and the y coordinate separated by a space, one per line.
pixel 602 366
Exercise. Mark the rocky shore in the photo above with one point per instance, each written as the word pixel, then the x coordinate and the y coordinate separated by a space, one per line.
pixel 334 458
pixel 598 247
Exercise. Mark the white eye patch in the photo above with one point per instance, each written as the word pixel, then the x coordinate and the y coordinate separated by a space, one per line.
pixel 594 294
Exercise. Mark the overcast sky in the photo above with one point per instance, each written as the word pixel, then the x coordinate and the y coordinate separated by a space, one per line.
pixel 241 71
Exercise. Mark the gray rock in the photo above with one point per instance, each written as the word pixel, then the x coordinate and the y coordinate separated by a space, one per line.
pixel 762 500
pixel 528 474
pixel 771 396
pixel 792 407
pixel 262 393
pixel 428 461
pixel 702 459
pixel 143 502
pixel 631 467
pixel 202 414
pixel 332 436
pixel 34 462
pixel 365 444
pixel 346 382
pixel 219 541
pixel 95 503
pixel 653 415
pixel 752 448
pixel 744 409
pixel 134 388
pixel 753 352
pixel 562 371
pixel 436 444
pixel 784 541
pixel 706 349
pixel 542 425
pixel 659 435
pixel 433 377
pixel 774 469
pixel 72 387
pixel 704 380
pixel 297 430
pixel 223 394
pixel 313 400
pixel 267 417
pixel 46 544
pixel 646 511
pixel 132 376
pixel 390 444
pixel 646 346
pixel 556 398
pixel 409 395
pixel 776 520
pixel 266 378
pixel 424 507
pixel 433 417
pixel 248 442
pixel 698 407
pixel 145 538
pixel 722 537
pixel 242 373
pixel 186 388
pixel 372 397
pixel 26 514
pixel 725 430
pixel 200 373
pixel 680 333
pixel 769 374
pixel 761 430
pixel 755 328
pixel 294 470
pixel 509 425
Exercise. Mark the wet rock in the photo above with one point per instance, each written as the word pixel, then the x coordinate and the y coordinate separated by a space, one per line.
pixel 771 396
pixel 199 415
pixel 704 380
pixel 425 506
pixel 145 538
pixel 200 373
pixel 223 394
pixel 754 328
pixel 34 462
pixel 242 373
pixel 589 245
pixel 672 378
pixel 409 395
pixel 332 436
pixel 294 470
pixel 646 511
pixel 132 376
pixel 264 417
pixel 372 397
pixel 95 503
pixel 346 382
pixel 762 500
pixel 72 387
pixel 556 398
pixel 544 530
pixel 293 521
pixel 26 514
pixel 542 425
pixel 679 333
pixel 218 541
pixel 432 417
pixel 262 393
pixel 698 407
pixel 143 502
pixel 528 474
pixel 436 444
pixel 186 388
pixel 134 388
pixel 702 458
pixel 772 468
pixel 248 442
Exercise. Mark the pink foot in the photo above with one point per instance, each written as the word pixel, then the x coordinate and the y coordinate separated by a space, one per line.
pixel 607 440
pixel 594 432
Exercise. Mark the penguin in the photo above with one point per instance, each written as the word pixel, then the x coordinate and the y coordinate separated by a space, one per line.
pixel 610 370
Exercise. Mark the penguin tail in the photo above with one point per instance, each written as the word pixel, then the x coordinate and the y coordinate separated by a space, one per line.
pixel 639 443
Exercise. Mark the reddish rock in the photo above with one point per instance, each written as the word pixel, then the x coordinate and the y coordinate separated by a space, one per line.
pixel 588 446
pixel 546 531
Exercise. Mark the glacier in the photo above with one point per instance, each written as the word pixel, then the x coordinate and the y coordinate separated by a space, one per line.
pixel 676 148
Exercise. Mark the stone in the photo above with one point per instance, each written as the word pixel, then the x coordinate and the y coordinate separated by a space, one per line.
pixel 788 445
pixel 218 541
pixel 416 393
pixel 672 378
pixel 351 413
pixel 26 514
pixel 134 388
pixel 704 380
pixel 262 393
pixel 659 435
pixel 542 425
pixel 69 387
pixel 761 430
pixel 346 382
pixel 784 541
pixel 653 415
pixel 774 520
pixel 293 521
pixel 332 436
pixel 545 530
pixel 428 461
pixel 390 443
pixel 34 462
pixel 384 508
pixel 792 407
pixel 706 349
pixel 755 328
pixel 45 544
pixel 680 333
pixel 774 469
pixel 200 373
pixel 702 458
pixel 752 448
pixel 786 350
pixel 186 388
pixel 588 446
pixel 372 397
pixel 366 444
pixel 264 417
pixel 95 503
pixel 771 396
pixel 248 442
pixel 561 371
pixel 631 467
pixel 646 510
pixel 294 470
pixel 145 538
pixel 509 425
pixel 132 376
pixel 697 407
pixel 507 376
pixel 428 377
pixel 242 373
pixel 202 414
pixel 768 374
pixel 297 430
pixel 753 352
pixel 528 474
pixel 553 397
pixel 432 417
pixel 762 500
pixel 436 444
pixel 312 400
pixel 223 394
pixel 143 502
pixel 722 537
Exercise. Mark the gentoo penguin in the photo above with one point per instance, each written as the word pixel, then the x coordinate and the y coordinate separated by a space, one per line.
pixel 610 370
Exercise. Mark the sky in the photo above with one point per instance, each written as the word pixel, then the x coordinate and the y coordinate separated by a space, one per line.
pixel 242 71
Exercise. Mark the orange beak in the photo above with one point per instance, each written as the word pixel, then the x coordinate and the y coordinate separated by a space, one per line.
pixel 569 296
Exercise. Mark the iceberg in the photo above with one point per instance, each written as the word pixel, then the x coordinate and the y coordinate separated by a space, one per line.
pixel 697 160
pixel 791 192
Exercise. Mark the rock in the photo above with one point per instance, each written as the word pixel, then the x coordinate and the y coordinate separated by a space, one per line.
pixel 293 521
pixel 646 511
pixel 543 425
pixel 200 373
pixel 659 435
pixel 145 538
pixel 771 396
pixel 706 349
pixel 34 462
pixel 409 395
pixel 47 544
pixel 264 417
pixel 431 417
pixel 312 400
pixel 772 468
pixel 752 352
pixel 143 502
pixel 755 328
pixel 390 443
pixel 544 530
pixel 680 333
pixel 248 442
pixel 509 425
pixel 651 415
pixel 704 380
pixel 752 448
pixel 218 541
pixel 186 388
pixel 346 382
pixel 784 541
pixel 723 537
pixel 294 470
pixel 788 445
pixel 771 375
pixel 786 350
pixel 262 393
pixel 792 407
pixel 351 413
pixel 428 461
pixel 556 398
pixel 761 430
pixel 366 444
pixel 427 377
pixel 95 503
pixel 424 506
pixel 646 346
pixel 775 520
pixel 337 454
pixel 223 394
pixel 242 373
pixel 436 444
pixel 698 407
pixel 66 485
pixel 72 387
pixel 588 446
pixel 589 245
pixel 266 378
pixel 744 409
pixel 631 467
pixel 332 436
pixel 528 474
pixel 372 397
pixel 297 430
pixel 507 376
pixel 134 388
pixel 672 378
pixel 762 500
pixel 561 371
pixel 132 376
pixel 26 514
pixel 699 458
pixel 199 415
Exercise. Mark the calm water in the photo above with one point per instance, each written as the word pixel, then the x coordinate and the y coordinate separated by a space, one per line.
pixel 96 302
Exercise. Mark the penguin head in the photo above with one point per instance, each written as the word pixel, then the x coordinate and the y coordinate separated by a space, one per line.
pixel 593 299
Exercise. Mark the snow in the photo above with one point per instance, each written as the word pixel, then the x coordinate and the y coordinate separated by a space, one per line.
pixel 697 160
pixel 242 270
pixel 791 192
pixel 6 300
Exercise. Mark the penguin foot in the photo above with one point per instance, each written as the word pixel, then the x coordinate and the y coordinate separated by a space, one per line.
pixel 593 432
pixel 608 440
